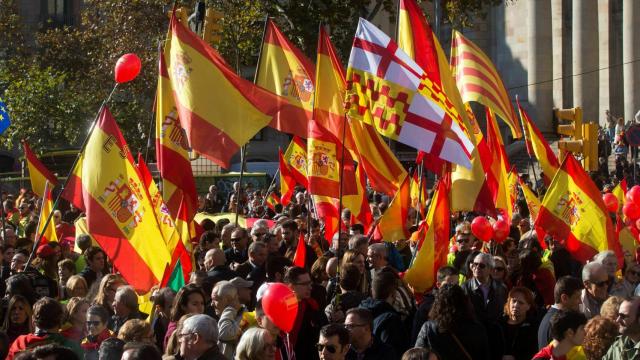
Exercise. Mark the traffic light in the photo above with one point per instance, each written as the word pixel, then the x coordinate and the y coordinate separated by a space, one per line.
pixel 212 32
pixel 590 149
pixel 583 137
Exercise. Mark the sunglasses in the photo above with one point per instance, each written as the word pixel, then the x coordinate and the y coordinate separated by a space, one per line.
pixel 499 268
pixel 330 348
pixel 479 265
pixel 93 323
pixel 601 283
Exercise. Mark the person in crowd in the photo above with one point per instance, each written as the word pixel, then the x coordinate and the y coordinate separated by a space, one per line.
pixel 626 288
pixel 350 296
pixel 74 327
pixel 109 284
pixel 627 345
pixel 95 268
pixel 365 346
pixel 357 258
pixel 217 269
pixel 97 331
pixel 173 345
pixel 452 330
pixel 17 320
pixel 140 350
pixel 47 318
pixel 209 240
pixel 214 202
pixel 310 318
pixel 190 299
pixel 289 245
pixel 136 330
pixel 244 291
pixel 263 321
pixel 464 241
pixel 500 271
pixel 162 302
pixel 600 333
pixel 610 262
pixel 256 344
pixel 198 339
pixel 567 296
pixel 519 326
pixel 535 276
pixel 125 307
pixel 76 286
pixel 568 333
pixel 228 311
pixel 333 342
pixel 610 307
pixel 257 258
pixel 237 254
pixel 596 284
pixel 66 269
pixel 445 275
pixel 18 262
pixel 563 262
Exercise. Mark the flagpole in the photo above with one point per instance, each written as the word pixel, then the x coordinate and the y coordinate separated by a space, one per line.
pixel 419 205
pixel 524 134
pixel 2 215
pixel 66 181
pixel 269 190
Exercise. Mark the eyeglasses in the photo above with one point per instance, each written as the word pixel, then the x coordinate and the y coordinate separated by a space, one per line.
pixel 479 265
pixel 601 283
pixel 306 283
pixel 499 268
pixel 330 348
pixel 93 323
pixel 462 240
pixel 351 326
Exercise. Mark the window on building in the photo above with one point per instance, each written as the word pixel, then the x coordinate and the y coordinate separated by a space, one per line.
pixel 58 13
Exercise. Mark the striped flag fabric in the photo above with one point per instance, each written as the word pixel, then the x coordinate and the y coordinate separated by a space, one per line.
pixel 498 180
pixel 327 209
pixel 573 210
pixel 219 110
pixel 272 200
pixel 387 89
pixel 295 157
pixel 532 200
pixel 358 203
pixel 286 71
pixel 478 80
pixel 393 223
pixel 383 170
pixel 172 149
pixel 539 147
pixel 38 173
pixel 106 184
pixel 47 208
pixel 287 181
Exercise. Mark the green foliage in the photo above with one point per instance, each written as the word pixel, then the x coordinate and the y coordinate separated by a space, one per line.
pixel 461 13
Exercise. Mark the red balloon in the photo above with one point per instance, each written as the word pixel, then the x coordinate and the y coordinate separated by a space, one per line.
pixel 127 68
pixel 481 228
pixel 281 306
pixel 500 230
pixel 633 195
pixel 631 210
pixel 611 202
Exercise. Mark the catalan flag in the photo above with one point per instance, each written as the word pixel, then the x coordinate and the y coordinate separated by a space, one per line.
pixel 387 89
pixel 172 149
pixel 478 80
pixel 5 121
pixel 538 146
pixel 284 70
pixel 47 208
pixel 573 210
pixel 38 173
pixel 383 170
pixel 218 119
pixel 295 157
pixel 120 214
pixel 432 249
pixel 287 181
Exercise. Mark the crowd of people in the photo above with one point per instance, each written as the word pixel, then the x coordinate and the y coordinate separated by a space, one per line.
pixel 509 300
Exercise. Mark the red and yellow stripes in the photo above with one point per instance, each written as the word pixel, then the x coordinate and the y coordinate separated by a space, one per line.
pixel 538 146
pixel 478 80
pixel 219 110
pixel 38 173
pixel 393 223
pixel 47 208
pixel 286 71
pixel 296 159
pixel 287 181
pixel 498 179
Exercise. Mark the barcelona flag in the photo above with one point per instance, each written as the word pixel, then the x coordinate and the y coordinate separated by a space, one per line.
pixel 4 117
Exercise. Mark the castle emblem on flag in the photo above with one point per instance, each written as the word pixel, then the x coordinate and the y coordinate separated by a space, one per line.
pixel 123 203
pixel 298 86
pixel 171 129
pixel 568 208
pixel 323 162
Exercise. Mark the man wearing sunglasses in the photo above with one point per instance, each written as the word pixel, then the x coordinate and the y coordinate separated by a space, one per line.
pixel 364 346
pixel 333 343
pixel 464 241
pixel 596 288
pixel 627 346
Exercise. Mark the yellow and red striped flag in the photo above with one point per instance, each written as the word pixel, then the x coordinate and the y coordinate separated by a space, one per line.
pixel 327 209
pixel 272 200
pixel 296 159
pixel 573 210
pixel 219 110
pixel 172 150
pixel 120 214
pixel 434 246
pixel 533 202
pixel 478 80
pixel 499 180
pixel 384 171
pixel 393 224
pixel 47 208
pixel 180 258
pixel 284 70
pixel 358 203
pixel 38 173
pixel 620 191
pixel 539 147
pixel 287 181
pixel 418 193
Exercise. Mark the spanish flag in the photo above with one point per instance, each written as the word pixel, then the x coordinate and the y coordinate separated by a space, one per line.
pixel 172 149
pixel 284 70
pixel 327 209
pixel 219 110
pixel 358 204
pixel 272 200
pixel 383 170
pixel 573 210
pixel 296 159
pixel 38 173
pixel 532 200
pixel 418 193
pixel 287 181
pixel 47 208
pixel 120 214
pixel 434 246
pixel 538 146
pixel 393 224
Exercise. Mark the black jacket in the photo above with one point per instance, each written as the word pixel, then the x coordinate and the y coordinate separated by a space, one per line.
pixel 216 274
pixel 520 340
pixel 377 351
pixel 387 324
pixel 471 336
pixel 492 310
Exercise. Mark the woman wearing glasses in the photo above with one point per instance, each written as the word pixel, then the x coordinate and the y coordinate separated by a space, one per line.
pixel 97 331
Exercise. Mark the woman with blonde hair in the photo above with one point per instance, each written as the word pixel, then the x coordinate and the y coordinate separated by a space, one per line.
pixel 76 286
pixel 17 320
pixel 610 307
pixel 107 291
pixel 256 344
pixel 356 258
pixel 74 327
pixel 136 330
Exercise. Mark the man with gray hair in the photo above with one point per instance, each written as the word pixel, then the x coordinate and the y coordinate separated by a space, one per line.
pixel 259 229
pixel 125 307
pixel 487 295
pixel 596 284
pixel 198 339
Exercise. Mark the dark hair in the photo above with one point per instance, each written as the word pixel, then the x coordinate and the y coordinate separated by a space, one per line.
pixel 91 252
pixel 221 223
pixel 181 299
pixel 83 241
pixel 290 224
pixel 339 330
pixel 451 308
pixel 68 264
pixel 99 311
pixel 293 273
pixel 363 314
pixel 530 261
pixel 160 298
pixel 4 345
pixel 207 237
pixel 111 349
pixel 357 227
pixel 566 320
pixel 30 229
pixel 20 284
pixel 208 224
pixel 276 264
pixel 47 313
pixel 567 285
pixel 383 285
pixel 54 350
pixel 350 277
pixel 444 272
